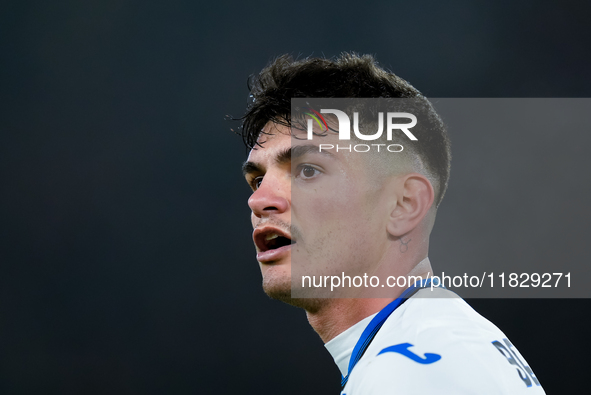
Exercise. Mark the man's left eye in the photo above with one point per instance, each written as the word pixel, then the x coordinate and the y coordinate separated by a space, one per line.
pixel 307 172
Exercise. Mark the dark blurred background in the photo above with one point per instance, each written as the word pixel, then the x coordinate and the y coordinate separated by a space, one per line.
pixel 126 264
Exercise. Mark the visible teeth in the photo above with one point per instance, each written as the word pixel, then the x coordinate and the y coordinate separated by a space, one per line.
pixel 271 236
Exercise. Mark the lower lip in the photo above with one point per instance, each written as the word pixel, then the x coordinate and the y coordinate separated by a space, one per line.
pixel 273 255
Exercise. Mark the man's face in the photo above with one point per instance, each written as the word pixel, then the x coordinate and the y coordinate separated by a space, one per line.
pixel 313 213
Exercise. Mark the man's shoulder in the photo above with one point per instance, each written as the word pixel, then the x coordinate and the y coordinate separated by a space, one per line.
pixel 436 328
pixel 437 342
pixel 439 311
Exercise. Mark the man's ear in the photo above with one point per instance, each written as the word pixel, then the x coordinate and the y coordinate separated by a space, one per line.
pixel 415 197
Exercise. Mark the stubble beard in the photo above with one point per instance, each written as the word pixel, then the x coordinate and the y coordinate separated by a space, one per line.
pixel 281 291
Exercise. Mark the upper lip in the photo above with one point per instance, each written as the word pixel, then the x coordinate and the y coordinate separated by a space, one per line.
pixel 260 236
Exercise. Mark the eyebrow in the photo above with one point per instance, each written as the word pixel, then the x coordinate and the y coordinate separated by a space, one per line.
pixel 285 156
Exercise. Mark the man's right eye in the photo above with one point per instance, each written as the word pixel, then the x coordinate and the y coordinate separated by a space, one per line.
pixel 256 183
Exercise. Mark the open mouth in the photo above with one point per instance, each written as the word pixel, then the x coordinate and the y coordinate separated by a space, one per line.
pixel 274 241
pixel 271 239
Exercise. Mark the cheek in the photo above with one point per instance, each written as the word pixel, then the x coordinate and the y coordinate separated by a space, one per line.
pixel 335 201
pixel 327 214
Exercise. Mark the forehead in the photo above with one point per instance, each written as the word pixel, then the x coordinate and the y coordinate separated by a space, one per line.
pixel 273 140
pixel 278 141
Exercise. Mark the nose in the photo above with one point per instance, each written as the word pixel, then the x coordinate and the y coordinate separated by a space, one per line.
pixel 272 197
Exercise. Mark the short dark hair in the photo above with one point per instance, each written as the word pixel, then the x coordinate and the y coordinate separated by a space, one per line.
pixel 347 76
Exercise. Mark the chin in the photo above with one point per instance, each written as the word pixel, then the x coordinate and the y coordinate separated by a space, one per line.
pixel 277 289
pixel 281 291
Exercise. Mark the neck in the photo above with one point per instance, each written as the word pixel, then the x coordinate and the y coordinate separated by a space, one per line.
pixel 332 317
pixel 337 315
